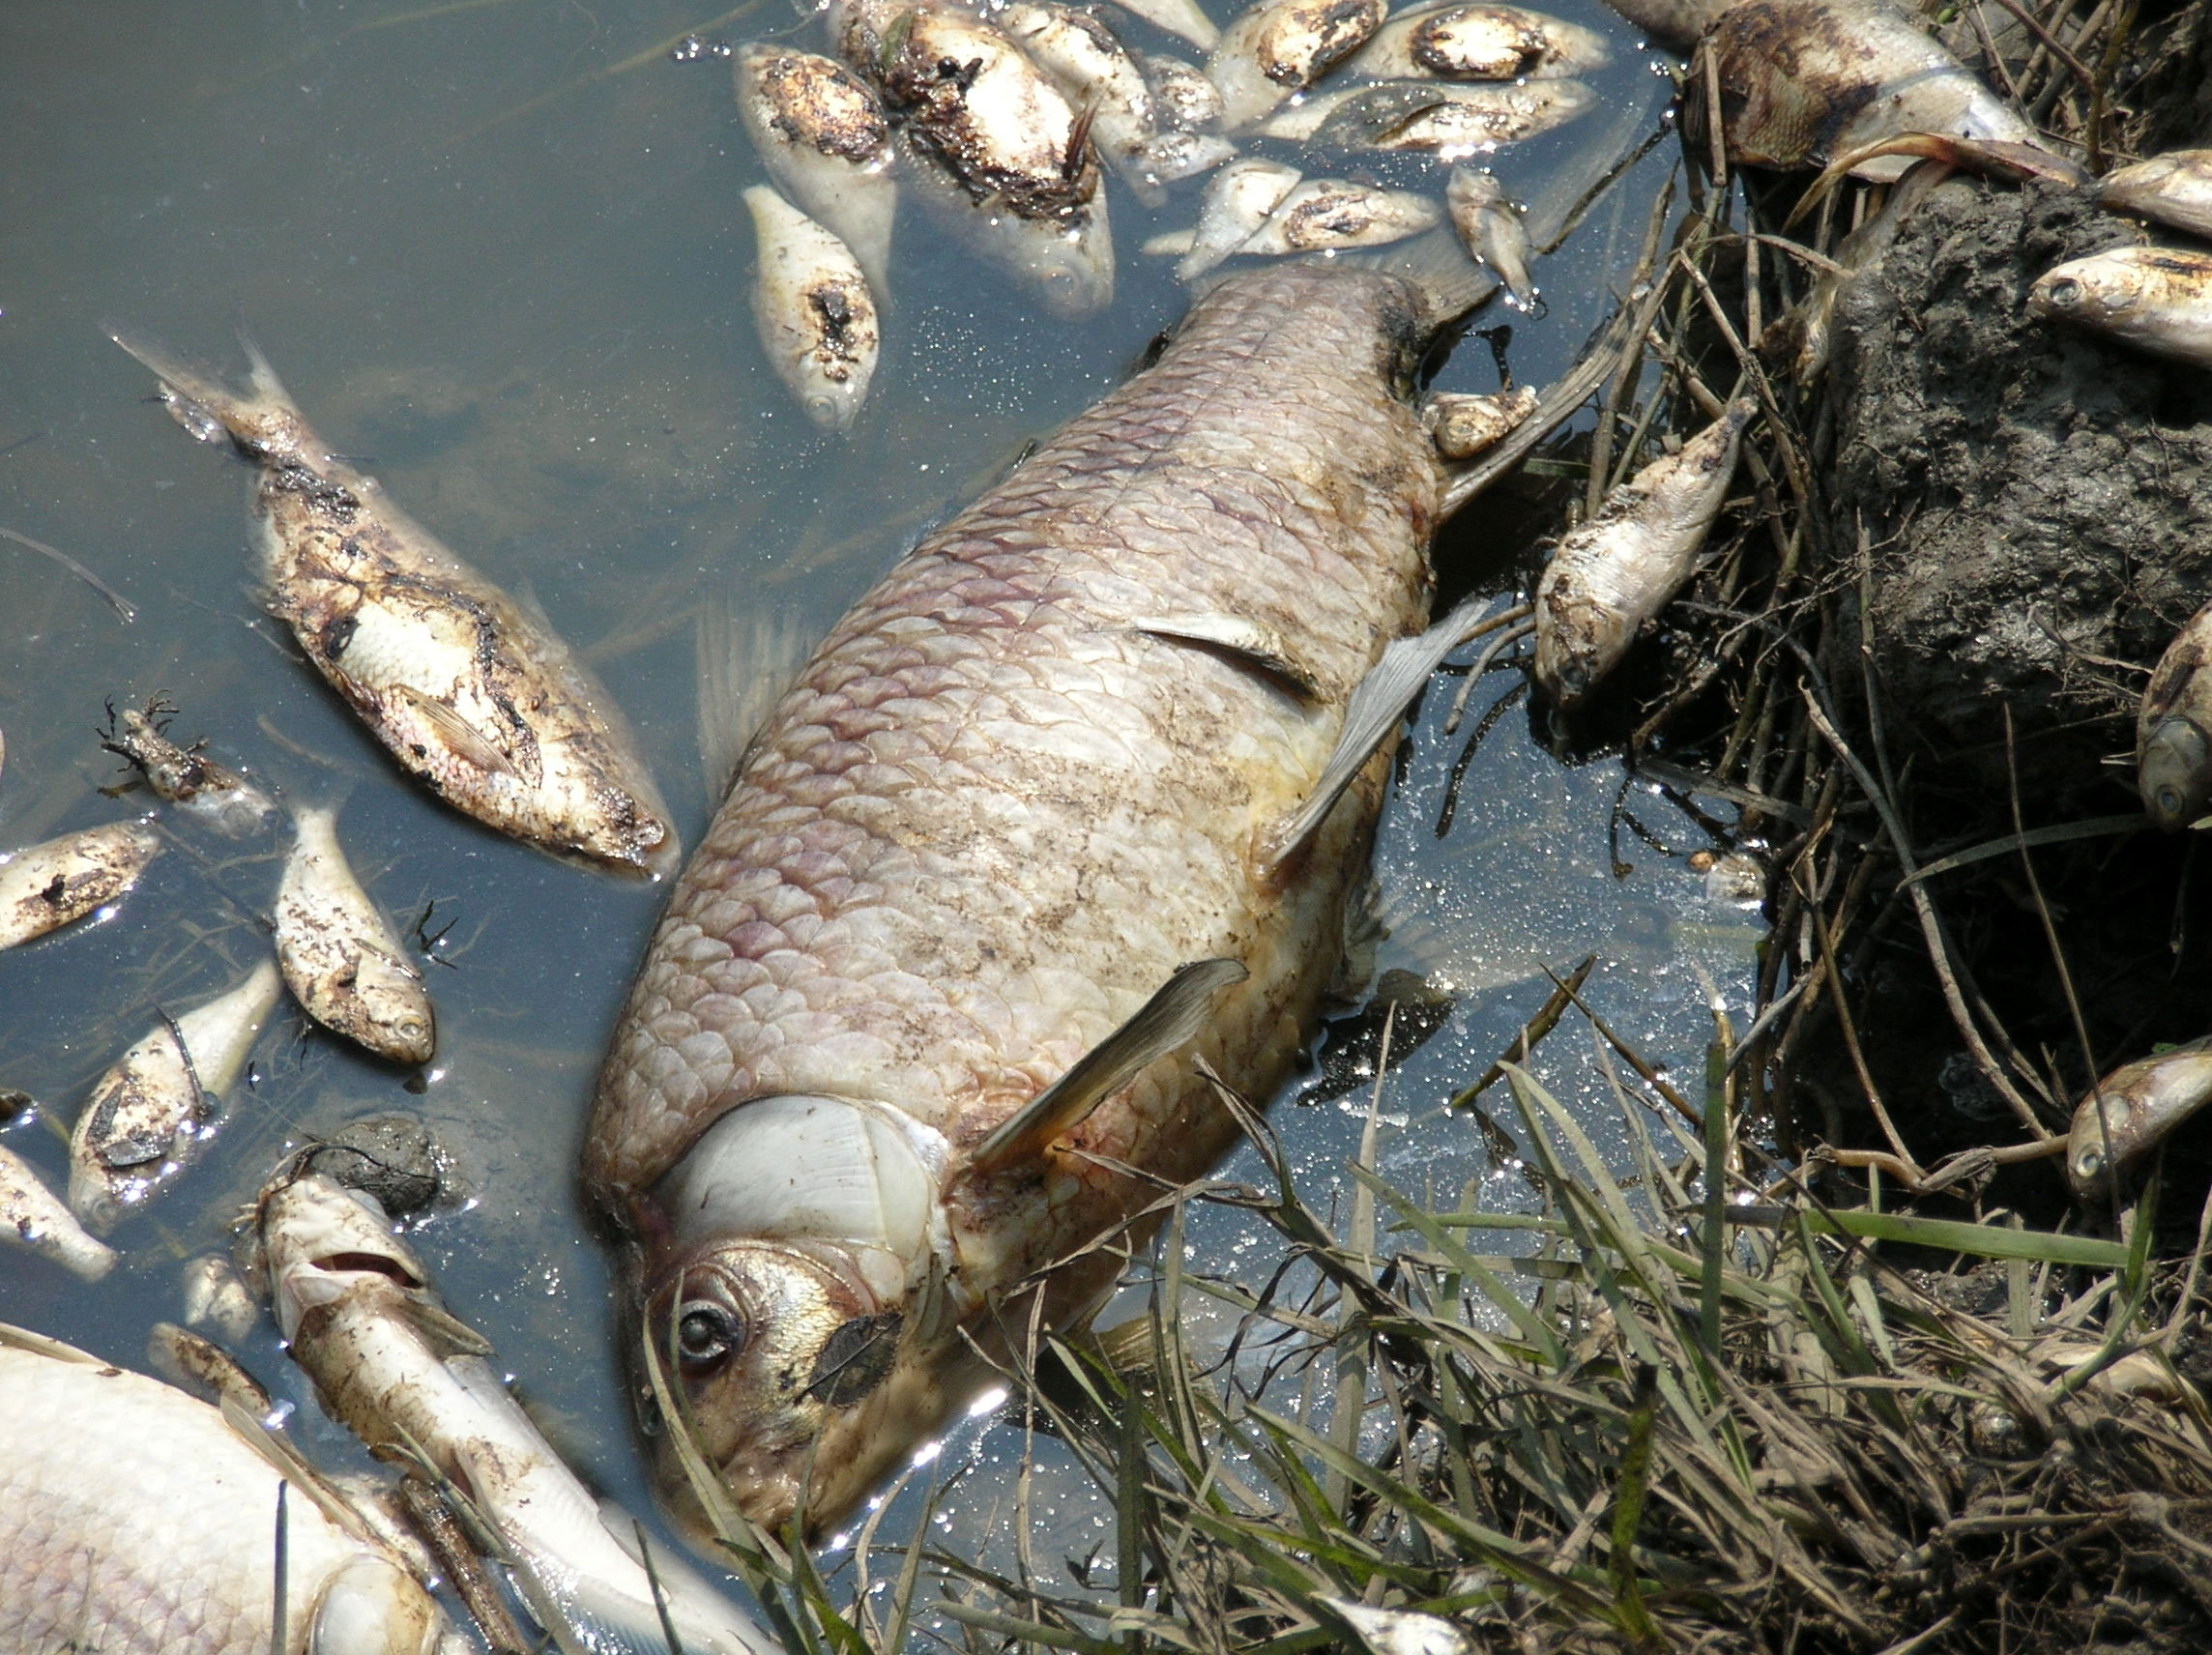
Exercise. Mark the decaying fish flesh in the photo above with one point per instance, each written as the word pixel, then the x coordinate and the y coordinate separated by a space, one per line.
pixel 1001 156
pixel 149 1115
pixel 1616 571
pixel 185 776
pixel 2174 729
pixel 1803 82
pixel 469 690
pixel 2174 188
pixel 1491 230
pixel 215 1297
pixel 1445 117
pixel 1280 46
pixel 2133 1110
pixel 1182 97
pixel 2156 299
pixel 1324 213
pixel 1463 426
pixel 1181 17
pixel 820 134
pixel 48 884
pixel 1098 76
pixel 389 1361
pixel 1009 847
pixel 33 1217
pixel 136 1519
pixel 816 318
pixel 1238 199
pixel 1479 41
pixel 343 961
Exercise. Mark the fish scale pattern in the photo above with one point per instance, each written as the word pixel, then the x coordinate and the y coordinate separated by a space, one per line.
pixel 1001 806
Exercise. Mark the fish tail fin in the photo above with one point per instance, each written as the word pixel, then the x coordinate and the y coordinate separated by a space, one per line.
pixel 267 386
pixel 1439 268
pixel 263 419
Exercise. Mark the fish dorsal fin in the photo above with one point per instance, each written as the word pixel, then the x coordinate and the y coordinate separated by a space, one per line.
pixel 41 1345
pixel 1370 716
pixel 1251 643
pixel 465 739
pixel 1170 1019
pixel 287 1463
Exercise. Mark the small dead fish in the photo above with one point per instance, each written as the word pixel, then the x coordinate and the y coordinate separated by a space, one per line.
pixel 343 961
pixel 358 1314
pixel 1479 43
pixel 1491 230
pixel 204 1369
pixel 2174 188
pixel 2174 729
pixel 1180 18
pixel 1238 199
pixel 1805 81
pixel 469 689
pixel 215 1297
pixel 1463 426
pixel 822 137
pixel 1324 213
pixel 185 776
pixel 1616 571
pixel 816 317
pixel 1443 117
pixel 2133 1110
pixel 1182 97
pixel 1095 73
pixel 48 884
pixel 149 1115
pixel 33 1217
pixel 2156 299
pixel 1281 46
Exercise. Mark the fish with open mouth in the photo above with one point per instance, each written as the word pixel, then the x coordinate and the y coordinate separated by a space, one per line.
pixel 1071 803
pixel 469 690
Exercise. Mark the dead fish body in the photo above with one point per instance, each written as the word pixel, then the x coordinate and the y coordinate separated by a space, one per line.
pixel 811 306
pixel 1181 17
pixel 149 1114
pixel 2174 729
pixel 2174 188
pixel 2132 1110
pixel 1324 213
pixel 185 776
pixel 1464 426
pixel 1238 199
pixel 1479 43
pixel 469 690
pixel 1031 780
pixel 1616 571
pixel 341 959
pixel 388 1360
pixel 822 136
pixel 1431 116
pixel 32 1217
pixel 1182 95
pixel 1280 46
pixel 1491 230
pixel 1803 82
pixel 1093 73
pixel 173 1558
pixel 48 884
pixel 2156 299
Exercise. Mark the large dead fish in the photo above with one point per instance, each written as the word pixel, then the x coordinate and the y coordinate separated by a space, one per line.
pixel 136 1519
pixel 1023 844
pixel 472 692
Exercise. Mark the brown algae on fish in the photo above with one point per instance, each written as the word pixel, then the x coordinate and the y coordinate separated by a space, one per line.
pixel 48 884
pixel 343 961
pixel 185 776
pixel 812 308
pixel 1479 43
pixel 2158 300
pixel 469 689
pixel 822 137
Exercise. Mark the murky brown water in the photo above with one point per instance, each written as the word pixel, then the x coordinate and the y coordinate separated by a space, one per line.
pixel 496 252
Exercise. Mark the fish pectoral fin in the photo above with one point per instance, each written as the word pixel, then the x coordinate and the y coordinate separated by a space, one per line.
pixel 287 1463
pixel 1172 1017
pixel 15 1338
pixel 1252 645
pixel 447 1333
pixel 464 738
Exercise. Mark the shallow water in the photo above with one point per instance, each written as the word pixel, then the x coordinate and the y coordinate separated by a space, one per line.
pixel 496 252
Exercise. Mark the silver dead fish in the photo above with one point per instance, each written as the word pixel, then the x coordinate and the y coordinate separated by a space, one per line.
pixel 2174 188
pixel 215 1297
pixel 1491 230
pixel 32 1217
pixel 1323 213
pixel 822 137
pixel 1463 426
pixel 1280 46
pixel 1238 199
pixel 469 690
pixel 343 961
pixel 2133 1110
pixel 1479 43
pixel 2156 299
pixel 185 776
pixel 2174 729
pixel 172 1553
pixel 811 306
pixel 1442 117
pixel 1616 571
pixel 149 1115
pixel 389 1361
pixel 48 884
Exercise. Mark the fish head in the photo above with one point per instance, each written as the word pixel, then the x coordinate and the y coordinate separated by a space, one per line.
pixel 2095 292
pixel 396 1010
pixel 2133 1110
pixel 322 1242
pixel 2173 772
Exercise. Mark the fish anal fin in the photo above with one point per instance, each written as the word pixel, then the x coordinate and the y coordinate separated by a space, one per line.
pixel 1170 1019
pixel 1253 644
pixel 287 1461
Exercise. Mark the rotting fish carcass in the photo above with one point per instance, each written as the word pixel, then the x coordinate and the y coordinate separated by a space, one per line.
pixel 2174 729
pixel 1616 571
pixel 2156 299
pixel 1095 73
pixel 33 1217
pixel 388 1360
pixel 469 689
pixel 175 1554
pixel 185 776
pixel 1013 841
pixel 2174 188
pixel 48 884
pixel 1480 42
pixel 816 318
pixel 1182 17
pixel 149 1112
pixel 1491 230
pixel 1322 214
pixel 1463 426
pixel 1238 199
pixel 1281 46
pixel 2133 1110
pixel 341 959
pixel 1182 95
pixel 1449 117
pixel 820 134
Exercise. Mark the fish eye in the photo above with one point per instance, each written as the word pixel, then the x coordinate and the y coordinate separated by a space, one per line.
pixel 2065 292
pixel 2089 1163
pixel 2170 800
pixel 706 1332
